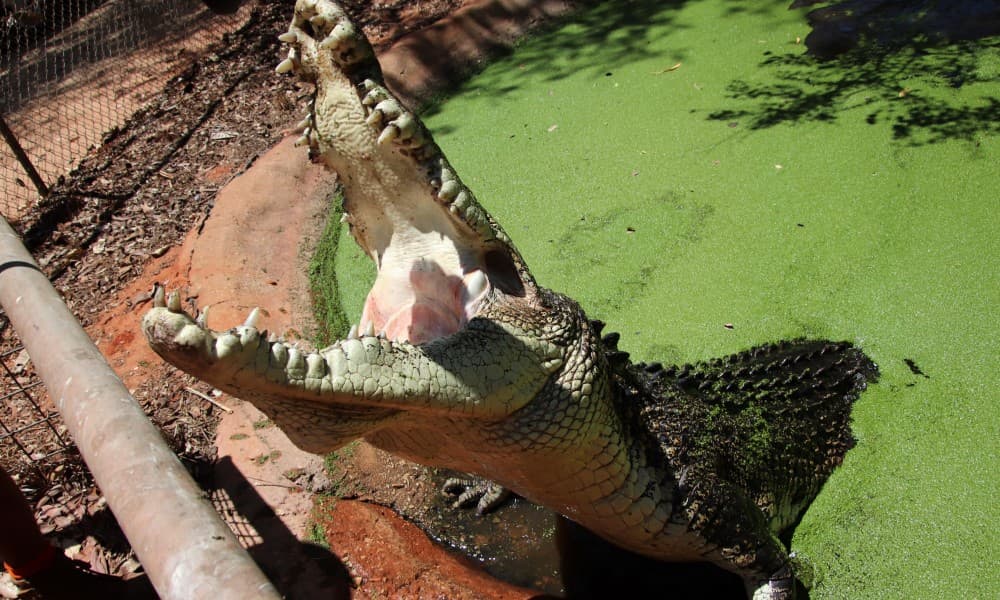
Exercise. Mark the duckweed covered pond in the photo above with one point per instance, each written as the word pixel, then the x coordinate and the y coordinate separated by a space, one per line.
pixel 687 174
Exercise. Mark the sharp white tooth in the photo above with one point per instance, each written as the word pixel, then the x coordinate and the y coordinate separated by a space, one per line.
pixel 344 218
pixel 288 37
pixel 449 189
pixel 369 330
pixel 302 140
pixel 174 301
pixel 329 42
pixel 475 284
pixel 374 118
pixel 388 134
pixel 304 125
pixel 390 108
pixel 253 318
pixel 159 296
pixel 353 333
pixel 202 319
pixel 285 66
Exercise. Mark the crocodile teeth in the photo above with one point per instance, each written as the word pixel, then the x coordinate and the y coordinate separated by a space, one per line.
pixel 159 299
pixel 341 32
pixel 449 189
pixel 285 66
pixel 253 318
pixel 475 284
pixel 462 200
pixel 375 94
pixel 202 319
pixel 302 140
pixel 369 330
pixel 174 301
pixel 288 37
pixel 408 126
pixel 304 125
pixel 344 218
pixel 388 134
pixel 353 333
pixel 374 118
pixel 390 108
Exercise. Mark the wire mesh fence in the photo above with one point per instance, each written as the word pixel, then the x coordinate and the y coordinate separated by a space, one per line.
pixel 73 70
pixel 34 444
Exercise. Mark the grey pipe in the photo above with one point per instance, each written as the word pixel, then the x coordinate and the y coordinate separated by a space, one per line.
pixel 187 551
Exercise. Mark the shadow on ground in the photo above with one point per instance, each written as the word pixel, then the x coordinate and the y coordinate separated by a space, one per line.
pixel 900 61
pixel 297 569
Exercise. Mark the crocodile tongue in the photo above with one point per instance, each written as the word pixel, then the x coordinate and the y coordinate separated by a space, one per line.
pixel 421 302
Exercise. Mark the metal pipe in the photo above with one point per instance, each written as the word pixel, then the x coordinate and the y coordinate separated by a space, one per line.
pixel 187 551
pixel 22 157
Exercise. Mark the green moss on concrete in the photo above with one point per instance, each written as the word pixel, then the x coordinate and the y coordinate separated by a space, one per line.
pixel 339 278
pixel 750 186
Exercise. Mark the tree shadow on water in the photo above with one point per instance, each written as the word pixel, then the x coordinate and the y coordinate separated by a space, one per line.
pixel 596 38
pixel 902 62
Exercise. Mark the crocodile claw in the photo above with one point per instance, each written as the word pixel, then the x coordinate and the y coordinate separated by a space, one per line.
pixel 484 494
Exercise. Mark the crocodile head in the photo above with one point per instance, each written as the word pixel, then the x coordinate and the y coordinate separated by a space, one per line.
pixel 454 324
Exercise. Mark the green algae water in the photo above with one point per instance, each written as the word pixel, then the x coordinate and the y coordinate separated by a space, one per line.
pixel 691 178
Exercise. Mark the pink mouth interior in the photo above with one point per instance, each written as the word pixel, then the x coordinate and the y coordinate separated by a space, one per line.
pixel 428 305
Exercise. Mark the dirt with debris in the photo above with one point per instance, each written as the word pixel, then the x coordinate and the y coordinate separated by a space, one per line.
pixel 120 221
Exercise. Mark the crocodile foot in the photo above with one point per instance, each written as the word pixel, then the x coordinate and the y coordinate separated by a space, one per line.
pixel 484 494
pixel 781 586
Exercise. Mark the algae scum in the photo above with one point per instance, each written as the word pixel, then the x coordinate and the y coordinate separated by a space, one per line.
pixel 693 178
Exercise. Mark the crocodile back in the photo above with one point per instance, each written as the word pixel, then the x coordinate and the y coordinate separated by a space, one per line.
pixel 772 421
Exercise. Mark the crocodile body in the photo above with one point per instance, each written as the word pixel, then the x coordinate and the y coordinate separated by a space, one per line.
pixel 461 360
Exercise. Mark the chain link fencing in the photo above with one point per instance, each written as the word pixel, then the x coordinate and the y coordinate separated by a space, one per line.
pixel 73 70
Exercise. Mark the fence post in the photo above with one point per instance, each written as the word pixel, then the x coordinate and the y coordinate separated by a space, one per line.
pixel 22 157
pixel 187 551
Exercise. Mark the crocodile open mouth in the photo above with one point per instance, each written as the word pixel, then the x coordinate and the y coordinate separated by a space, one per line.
pixel 439 255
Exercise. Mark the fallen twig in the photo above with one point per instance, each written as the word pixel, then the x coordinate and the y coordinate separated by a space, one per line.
pixel 208 399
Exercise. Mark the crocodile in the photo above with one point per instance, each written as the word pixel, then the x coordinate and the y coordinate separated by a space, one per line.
pixel 461 360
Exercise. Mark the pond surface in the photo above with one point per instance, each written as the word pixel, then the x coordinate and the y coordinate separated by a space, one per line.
pixel 691 177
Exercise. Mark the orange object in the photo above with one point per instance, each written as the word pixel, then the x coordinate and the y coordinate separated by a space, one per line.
pixel 34 566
